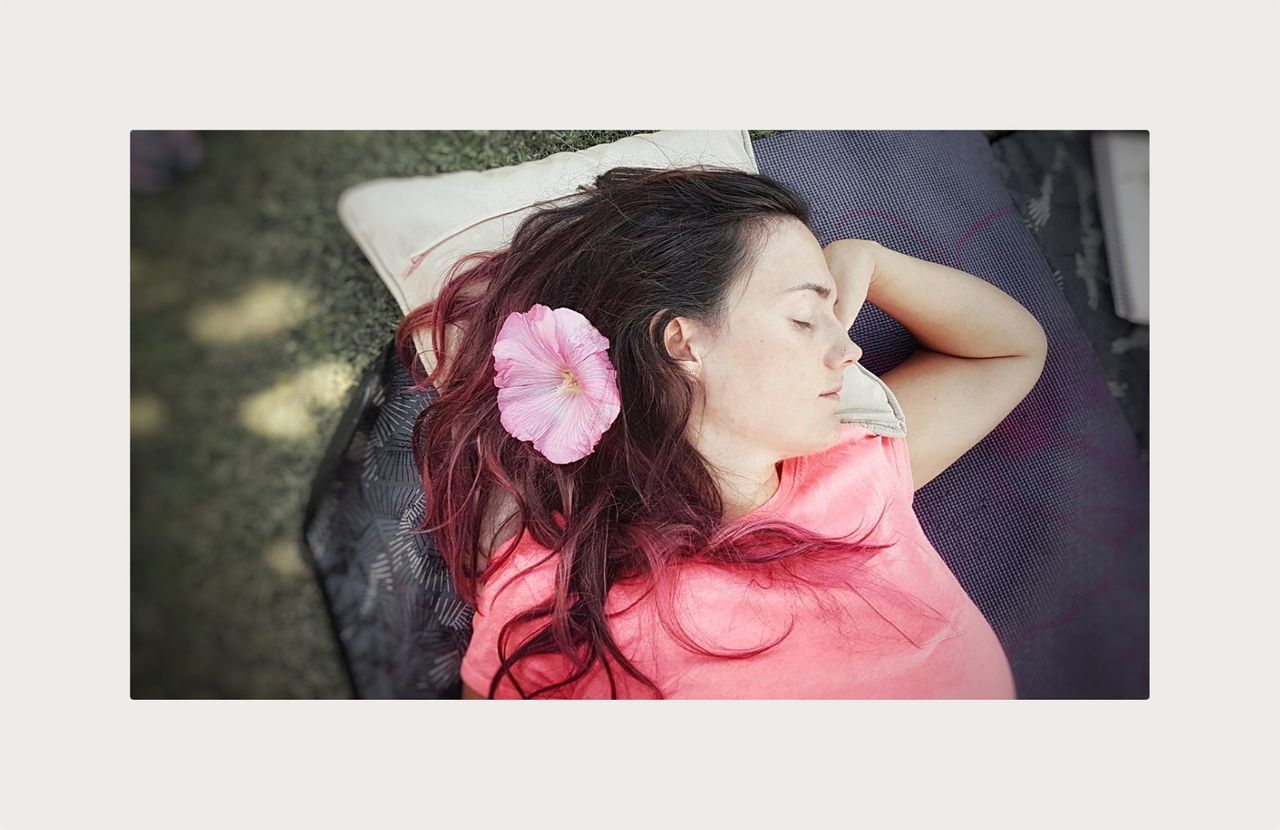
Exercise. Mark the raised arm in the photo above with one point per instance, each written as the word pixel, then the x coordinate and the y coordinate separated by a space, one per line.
pixel 981 352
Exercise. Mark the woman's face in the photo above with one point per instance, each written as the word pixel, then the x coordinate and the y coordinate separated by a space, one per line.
pixel 764 373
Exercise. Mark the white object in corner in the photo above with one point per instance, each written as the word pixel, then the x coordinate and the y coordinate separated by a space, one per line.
pixel 1122 168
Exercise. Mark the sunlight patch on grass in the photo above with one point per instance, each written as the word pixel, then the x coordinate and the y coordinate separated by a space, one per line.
pixel 288 409
pixel 146 414
pixel 284 556
pixel 266 308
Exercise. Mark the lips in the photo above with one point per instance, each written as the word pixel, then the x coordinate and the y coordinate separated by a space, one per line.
pixel 835 391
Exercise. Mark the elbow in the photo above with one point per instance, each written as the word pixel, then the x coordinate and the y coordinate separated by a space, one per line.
pixel 1035 342
pixel 1036 356
pixel 1032 353
pixel 1041 348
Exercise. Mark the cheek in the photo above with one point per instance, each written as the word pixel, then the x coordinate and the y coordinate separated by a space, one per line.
pixel 757 378
pixel 770 376
pixel 742 382
pixel 767 360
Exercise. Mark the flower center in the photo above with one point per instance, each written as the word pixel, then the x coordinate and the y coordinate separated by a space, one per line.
pixel 570 383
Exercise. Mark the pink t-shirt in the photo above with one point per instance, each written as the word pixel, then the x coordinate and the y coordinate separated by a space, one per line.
pixel 858 641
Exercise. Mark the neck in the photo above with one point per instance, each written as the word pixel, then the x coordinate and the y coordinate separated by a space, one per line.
pixel 747 477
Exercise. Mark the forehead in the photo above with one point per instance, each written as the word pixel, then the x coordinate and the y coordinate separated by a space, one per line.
pixel 787 255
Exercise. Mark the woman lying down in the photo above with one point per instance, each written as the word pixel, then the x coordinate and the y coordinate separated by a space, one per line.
pixel 642 472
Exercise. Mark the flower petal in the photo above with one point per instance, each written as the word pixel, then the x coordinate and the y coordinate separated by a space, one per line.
pixel 528 413
pixel 578 339
pixel 556 386
pixel 578 431
pixel 524 340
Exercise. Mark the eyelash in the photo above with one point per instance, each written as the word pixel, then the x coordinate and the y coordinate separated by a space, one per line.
pixel 803 324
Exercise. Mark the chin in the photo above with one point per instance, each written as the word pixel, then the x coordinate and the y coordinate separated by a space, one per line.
pixel 823 440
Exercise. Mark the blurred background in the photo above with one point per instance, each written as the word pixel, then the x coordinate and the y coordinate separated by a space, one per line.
pixel 253 313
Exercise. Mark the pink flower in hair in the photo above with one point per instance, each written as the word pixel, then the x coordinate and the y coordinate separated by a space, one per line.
pixel 556 386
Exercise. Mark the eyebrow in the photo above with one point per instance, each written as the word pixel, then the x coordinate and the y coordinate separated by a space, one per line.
pixel 821 290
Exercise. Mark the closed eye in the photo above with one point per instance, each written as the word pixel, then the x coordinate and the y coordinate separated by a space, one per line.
pixel 803 324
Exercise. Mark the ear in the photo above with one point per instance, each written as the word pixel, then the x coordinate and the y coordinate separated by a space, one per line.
pixel 683 339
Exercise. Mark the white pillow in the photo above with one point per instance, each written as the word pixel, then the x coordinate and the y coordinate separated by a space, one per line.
pixel 414 229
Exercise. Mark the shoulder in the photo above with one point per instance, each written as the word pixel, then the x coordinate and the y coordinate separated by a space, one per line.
pixel 865 458
pixel 519 575
pixel 856 440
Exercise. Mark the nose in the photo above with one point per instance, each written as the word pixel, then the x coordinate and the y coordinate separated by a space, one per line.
pixel 850 353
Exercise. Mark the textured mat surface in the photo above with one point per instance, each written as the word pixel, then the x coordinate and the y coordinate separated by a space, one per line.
pixel 1044 522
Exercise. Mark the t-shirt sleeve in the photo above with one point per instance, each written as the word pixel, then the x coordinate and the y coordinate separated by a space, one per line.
pixel 892 460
